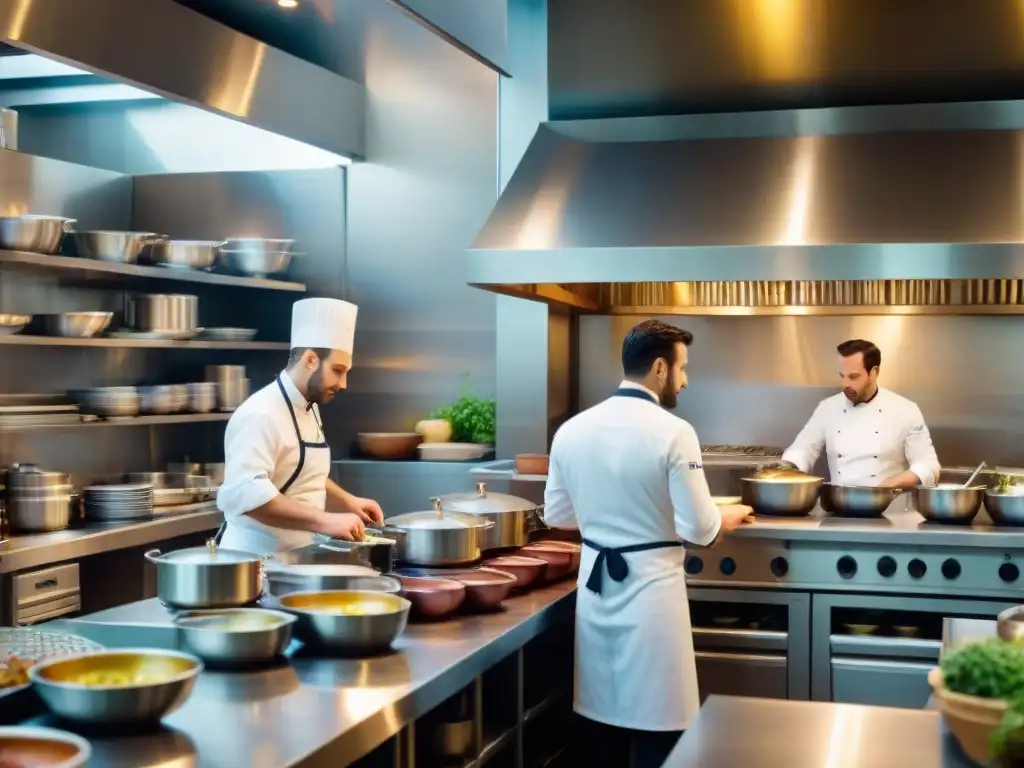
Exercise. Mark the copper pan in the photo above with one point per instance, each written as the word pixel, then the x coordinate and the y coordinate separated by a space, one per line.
pixel 432 597
pixel 562 557
pixel 527 570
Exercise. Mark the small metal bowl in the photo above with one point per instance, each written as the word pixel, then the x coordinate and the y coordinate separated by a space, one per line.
pixel 323 620
pixel 77 325
pixel 953 505
pixel 170 679
pixel 1005 508
pixel 255 263
pixel 235 636
pixel 12 324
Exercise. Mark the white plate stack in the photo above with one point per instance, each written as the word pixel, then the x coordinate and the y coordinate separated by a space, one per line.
pixel 112 503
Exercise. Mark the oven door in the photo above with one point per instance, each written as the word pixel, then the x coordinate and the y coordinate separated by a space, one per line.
pixel 750 643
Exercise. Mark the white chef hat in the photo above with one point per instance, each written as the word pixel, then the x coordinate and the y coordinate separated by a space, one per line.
pixel 324 324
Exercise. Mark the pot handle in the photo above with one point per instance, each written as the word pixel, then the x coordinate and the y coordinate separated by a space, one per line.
pixel 153 555
pixel 535 520
pixel 68 225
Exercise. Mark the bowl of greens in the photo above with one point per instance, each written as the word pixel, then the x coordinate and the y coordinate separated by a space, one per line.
pixel 980 691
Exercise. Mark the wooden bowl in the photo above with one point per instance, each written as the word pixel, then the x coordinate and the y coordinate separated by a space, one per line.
pixel 531 464
pixel 971 719
pixel 389 445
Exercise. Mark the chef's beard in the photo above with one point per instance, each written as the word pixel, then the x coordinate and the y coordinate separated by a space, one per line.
pixel 668 397
pixel 315 390
pixel 854 396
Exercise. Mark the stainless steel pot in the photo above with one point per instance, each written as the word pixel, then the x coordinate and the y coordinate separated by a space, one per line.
pixel 232 393
pixel 856 500
pixel 104 245
pixel 285 579
pixel 39 513
pixel 207 577
pixel 951 504
pixel 782 497
pixel 1005 508
pixel 163 313
pixel 202 396
pixel 511 515
pixel 37 234
pixel 438 537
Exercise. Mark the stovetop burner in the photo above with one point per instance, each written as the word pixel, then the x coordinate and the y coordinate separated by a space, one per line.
pixel 740 450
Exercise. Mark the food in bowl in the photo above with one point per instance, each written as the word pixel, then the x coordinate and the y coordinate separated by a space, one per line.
pixel 341 603
pixel 116 669
pixel 28 747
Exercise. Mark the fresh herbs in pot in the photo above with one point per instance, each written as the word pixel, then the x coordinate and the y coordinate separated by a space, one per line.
pixel 993 669
pixel 472 419
pixel 1005 482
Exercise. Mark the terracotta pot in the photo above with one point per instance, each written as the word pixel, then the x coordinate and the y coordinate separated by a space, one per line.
pixel 389 446
pixel 531 464
pixel 971 719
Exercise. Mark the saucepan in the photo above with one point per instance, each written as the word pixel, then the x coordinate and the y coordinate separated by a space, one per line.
pixel 856 500
pixel 438 537
pixel 513 517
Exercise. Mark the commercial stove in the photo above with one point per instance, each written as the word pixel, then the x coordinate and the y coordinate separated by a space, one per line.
pixel 843 610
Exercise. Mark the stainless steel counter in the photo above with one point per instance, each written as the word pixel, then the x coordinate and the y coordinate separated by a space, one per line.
pixel 315 711
pixel 732 731
pixel 899 526
pixel 28 551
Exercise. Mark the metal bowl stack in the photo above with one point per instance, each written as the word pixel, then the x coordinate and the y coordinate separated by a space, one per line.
pixel 110 402
pixel 172 488
pixel 163 399
pixel 111 503
pixel 38 501
pixel 256 256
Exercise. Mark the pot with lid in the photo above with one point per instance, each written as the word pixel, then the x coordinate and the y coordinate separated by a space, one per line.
pixel 207 577
pixel 438 537
pixel 513 517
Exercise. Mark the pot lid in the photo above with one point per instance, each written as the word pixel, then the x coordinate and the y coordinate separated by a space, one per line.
pixel 436 519
pixel 482 500
pixel 211 554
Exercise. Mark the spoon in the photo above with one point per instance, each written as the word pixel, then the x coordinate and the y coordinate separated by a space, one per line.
pixel 974 475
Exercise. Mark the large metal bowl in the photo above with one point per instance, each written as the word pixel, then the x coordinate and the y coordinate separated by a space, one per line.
pixel 163 398
pixel 324 621
pixel 255 263
pixel 288 579
pixel 110 245
pixel 37 234
pixel 781 497
pixel 188 254
pixel 1005 508
pixel 167 679
pixel 12 324
pixel 954 505
pixel 856 500
pixel 110 401
pixel 236 636
pixel 77 325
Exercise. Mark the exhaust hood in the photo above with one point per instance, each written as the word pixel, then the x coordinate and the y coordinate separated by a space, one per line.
pixel 917 219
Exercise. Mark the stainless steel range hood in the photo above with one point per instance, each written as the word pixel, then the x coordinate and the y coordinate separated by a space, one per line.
pixel 166 49
pixel 914 218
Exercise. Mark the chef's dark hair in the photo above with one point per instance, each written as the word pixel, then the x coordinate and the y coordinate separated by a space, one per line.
pixel 648 341
pixel 872 354
pixel 297 352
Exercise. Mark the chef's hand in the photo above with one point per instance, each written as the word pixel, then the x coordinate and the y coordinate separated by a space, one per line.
pixel 780 464
pixel 368 510
pixel 733 516
pixel 345 526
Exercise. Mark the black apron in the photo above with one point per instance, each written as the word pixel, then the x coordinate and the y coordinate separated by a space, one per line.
pixel 303 446
pixel 611 558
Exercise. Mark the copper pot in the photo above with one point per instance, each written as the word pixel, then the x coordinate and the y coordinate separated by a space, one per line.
pixel 486 587
pixel 432 597
pixel 527 570
pixel 562 557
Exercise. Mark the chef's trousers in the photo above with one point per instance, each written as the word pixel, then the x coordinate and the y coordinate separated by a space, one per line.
pixel 599 744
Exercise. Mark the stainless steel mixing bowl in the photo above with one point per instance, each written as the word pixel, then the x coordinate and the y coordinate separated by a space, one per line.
pixel 37 234
pixel 110 245
pixel 348 622
pixel 954 505
pixel 254 263
pixel 78 325
pixel 782 497
pixel 1005 508
pixel 235 636
pixel 856 500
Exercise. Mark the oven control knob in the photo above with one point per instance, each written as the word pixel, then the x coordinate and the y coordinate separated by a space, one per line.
pixel 887 566
pixel 727 566
pixel 917 568
pixel 779 566
pixel 847 567
pixel 1009 572
pixel 694 565
pixel 951 568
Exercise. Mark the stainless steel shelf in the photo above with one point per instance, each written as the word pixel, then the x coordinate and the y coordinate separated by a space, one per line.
pixel 503 469
pixel 117 343
pixel 137 421
pixel 92 267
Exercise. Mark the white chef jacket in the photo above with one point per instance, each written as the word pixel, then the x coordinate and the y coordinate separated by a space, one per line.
pixel 628 472
pixel 867 443
pixel 261 452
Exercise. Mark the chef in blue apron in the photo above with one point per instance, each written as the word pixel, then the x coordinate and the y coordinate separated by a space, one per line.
pixel 628 474
pixel 276 493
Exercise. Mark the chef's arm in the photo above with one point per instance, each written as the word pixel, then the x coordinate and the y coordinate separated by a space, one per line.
pixel 250 451
pixel 697 518
pixel 338 499
pixel 805 450
pixel 558 509
pixel 921 457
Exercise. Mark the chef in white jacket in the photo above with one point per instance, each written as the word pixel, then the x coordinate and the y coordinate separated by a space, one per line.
pixel 871 436
pixel 628 474
pixel 276 492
